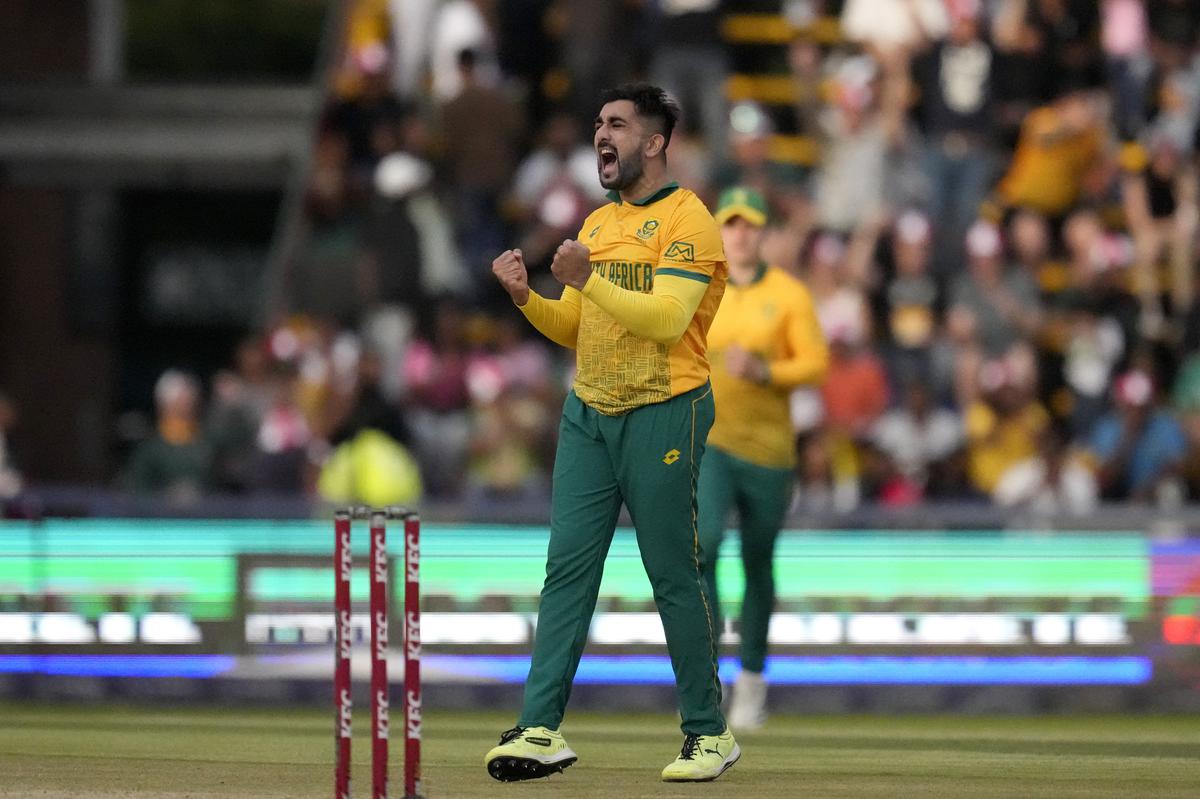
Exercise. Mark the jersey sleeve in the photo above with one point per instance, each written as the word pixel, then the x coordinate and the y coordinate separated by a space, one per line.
pixel 557 320
pixel 807 355
pixel 691 248
pixel 661 316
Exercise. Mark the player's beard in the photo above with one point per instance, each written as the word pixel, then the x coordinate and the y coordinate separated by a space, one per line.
pixel 629 172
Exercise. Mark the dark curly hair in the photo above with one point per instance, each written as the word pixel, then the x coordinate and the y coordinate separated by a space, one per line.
pixel 650 101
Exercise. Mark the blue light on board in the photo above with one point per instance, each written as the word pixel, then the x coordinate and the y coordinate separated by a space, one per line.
pixel 833 670
pixel 646 669
pixel 188 666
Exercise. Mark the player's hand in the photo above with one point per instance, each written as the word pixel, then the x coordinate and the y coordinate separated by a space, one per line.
pixel 745 365
pixel 572 264
pixel 509 269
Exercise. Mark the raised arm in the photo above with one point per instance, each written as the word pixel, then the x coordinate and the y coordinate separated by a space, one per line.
pixel 557 320
pixel 661 316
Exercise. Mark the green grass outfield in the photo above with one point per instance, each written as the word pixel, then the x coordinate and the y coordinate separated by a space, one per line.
pixel 60 751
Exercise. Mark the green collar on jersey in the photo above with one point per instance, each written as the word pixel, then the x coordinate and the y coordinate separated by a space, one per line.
pixel 759 274
pixel 615 195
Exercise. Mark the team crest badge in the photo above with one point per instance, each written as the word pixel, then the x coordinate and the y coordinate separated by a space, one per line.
pixel 647 230
pixel 681 251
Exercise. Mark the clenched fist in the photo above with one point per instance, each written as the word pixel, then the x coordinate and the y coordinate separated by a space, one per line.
pixel 509 269
pixel 572 264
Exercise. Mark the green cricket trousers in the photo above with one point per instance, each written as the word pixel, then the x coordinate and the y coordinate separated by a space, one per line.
pixel 649 459
pixel 761 496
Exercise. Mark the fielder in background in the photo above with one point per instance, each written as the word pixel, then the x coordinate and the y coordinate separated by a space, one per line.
pixel 640 289
pixel 764 342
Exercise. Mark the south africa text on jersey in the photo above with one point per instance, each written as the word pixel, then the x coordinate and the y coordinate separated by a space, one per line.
pixel 626 274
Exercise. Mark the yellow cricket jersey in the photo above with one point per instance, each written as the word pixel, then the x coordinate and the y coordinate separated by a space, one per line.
pixel 634 245
pixel 772 317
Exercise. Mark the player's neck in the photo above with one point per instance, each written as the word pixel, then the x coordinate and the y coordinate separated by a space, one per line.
pixel 742 274
pixel 653 178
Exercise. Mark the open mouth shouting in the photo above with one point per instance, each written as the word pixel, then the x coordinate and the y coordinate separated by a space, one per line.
pixel 607 163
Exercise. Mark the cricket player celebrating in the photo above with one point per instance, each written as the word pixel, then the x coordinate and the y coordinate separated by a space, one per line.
pixel 641 286
pixel 765 341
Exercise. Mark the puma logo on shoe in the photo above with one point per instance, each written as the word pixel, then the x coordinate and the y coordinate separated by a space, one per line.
pixel 538 741
pixel 714 752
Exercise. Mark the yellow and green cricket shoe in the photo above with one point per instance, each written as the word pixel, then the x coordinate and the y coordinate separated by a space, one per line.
pixel 527 753
pixel 703 758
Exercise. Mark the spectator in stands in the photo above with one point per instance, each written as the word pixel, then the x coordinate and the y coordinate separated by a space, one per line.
pixel 555 188
pixel 830 472
pixel 357 115
pixel 524 363
pixel 1093 349
pixel 881 479
pixel 435 370
pixel 910 300
pixel 1174 25
pixel 460 26
pixel 1100 282
pixel 1002 303
pixel 175 462
pixel 240 399
pixel 1139 448
pixel 1174 28
pixel 369 409
pixel 806 62
pixel 479 159
pixel 918 437
pixel 751 164
pixel 1124 37
pixel 1029 244
pixel 1031 251
pixel 409 237
pixel 325 272
pixel 1060 145
pixel 410 253
pixel 508 435
pixel 514 399
pixel 863 132
pixel 1051 42
pixel 855 391
pixel 11 482
pixel 1159 196
pixel 1055 481
pixel 1004 426
pixel 892 29
pixel 283 437
pixel 829 272
pixel 1103 312
pixel 955 78
pixel 689 60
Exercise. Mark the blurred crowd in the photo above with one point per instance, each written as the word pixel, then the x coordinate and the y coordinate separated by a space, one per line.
pixel 994 207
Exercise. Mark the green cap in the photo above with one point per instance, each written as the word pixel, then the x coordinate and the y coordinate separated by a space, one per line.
pixel 741 201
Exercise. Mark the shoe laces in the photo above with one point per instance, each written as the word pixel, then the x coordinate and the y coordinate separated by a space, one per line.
pixel 508 735
pixel 691 743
